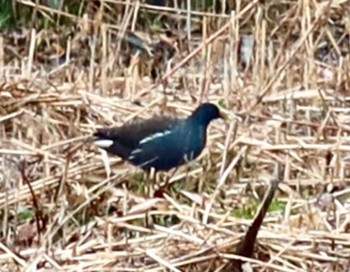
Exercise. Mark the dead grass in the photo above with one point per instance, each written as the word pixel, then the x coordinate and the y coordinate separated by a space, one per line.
pixel 65 206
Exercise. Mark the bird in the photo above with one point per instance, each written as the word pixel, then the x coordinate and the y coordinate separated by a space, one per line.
pixel 162 142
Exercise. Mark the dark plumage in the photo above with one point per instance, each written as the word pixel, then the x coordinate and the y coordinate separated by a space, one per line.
pixel 162 142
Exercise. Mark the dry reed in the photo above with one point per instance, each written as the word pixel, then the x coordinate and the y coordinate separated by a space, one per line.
pixel 286 96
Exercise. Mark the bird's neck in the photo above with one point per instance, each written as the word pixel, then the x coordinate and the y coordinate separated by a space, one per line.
pixel 198 122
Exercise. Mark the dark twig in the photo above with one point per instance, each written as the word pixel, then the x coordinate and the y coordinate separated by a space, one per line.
pixel 246 247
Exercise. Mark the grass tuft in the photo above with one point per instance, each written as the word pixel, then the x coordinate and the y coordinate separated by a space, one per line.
pixel 278 69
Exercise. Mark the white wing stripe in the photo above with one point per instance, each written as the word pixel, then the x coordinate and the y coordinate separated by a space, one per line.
pixel 103 143
pixel 148 162
pixel 134 152
pixel 154 136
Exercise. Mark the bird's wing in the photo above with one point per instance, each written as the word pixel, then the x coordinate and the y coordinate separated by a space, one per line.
pixel 132 134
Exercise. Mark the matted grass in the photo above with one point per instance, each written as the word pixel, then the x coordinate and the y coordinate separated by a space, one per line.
pixel 66 206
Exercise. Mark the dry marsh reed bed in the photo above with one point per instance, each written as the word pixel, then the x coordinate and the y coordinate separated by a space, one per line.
pixel 65 206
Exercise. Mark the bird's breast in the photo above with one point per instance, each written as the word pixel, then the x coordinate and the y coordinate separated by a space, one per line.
pixel 195 139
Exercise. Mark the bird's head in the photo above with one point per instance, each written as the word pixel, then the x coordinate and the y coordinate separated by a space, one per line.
pixel 205 113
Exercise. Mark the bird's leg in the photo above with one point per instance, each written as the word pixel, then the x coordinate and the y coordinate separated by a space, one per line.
pixel 167 178
pixel 162 181
pixel 151 181
pixel 171 175
pixel 189 165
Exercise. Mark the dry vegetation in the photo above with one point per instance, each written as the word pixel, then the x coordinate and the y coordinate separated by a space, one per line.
pixel 66 206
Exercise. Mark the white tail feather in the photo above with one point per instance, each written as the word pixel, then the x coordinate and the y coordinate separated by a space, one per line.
pixel 103 143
